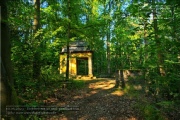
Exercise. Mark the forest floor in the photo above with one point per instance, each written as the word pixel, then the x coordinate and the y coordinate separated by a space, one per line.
pixel 97 100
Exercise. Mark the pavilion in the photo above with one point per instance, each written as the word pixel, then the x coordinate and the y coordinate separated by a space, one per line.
pixel 80 60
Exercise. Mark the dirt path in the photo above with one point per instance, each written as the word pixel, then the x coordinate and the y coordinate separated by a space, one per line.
pixel 98 100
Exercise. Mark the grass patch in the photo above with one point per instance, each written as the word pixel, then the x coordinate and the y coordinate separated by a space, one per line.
pixel 76 84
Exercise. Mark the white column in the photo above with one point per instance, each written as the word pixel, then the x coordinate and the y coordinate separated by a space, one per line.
pixel 90 66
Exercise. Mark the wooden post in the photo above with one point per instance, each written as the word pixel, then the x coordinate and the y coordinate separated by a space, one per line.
pixel 90 67
pixel 117 79
pixel 120 77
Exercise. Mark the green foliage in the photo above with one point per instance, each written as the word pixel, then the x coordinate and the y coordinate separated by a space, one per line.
pixel 150 112
pixel 127 26
pixel 166 104
pixel 75 84
pixel 32 104
pixel 129 89
pixel 34 117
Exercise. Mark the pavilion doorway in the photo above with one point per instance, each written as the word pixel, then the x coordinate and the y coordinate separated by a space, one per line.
pixel 82 66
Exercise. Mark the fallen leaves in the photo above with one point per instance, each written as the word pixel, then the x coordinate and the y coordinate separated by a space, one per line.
pixel 100 101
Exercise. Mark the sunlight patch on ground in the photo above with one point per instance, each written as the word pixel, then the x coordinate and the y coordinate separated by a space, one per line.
pixel 65 118
pixel 88 94
pixel 118 93
pixel 78 97
pixel 132 118
pixel 84 118
pixel 102 85
pixel 52 100
pixel 61 104
pixel 94 86
pixel 108 87
pixel 91 93
pixel 94 92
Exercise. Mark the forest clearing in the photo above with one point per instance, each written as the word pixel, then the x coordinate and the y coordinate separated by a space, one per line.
pixel 90 59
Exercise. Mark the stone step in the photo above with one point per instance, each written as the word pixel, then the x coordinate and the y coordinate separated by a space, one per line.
pixel 85 77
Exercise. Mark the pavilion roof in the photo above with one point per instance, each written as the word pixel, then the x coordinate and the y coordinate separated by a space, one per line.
pixel 77 46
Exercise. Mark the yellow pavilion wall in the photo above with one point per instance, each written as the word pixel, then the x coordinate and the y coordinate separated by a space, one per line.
pixel 72 62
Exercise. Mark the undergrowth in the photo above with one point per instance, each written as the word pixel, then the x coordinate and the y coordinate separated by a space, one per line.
pixel 75 84
pixel 145 106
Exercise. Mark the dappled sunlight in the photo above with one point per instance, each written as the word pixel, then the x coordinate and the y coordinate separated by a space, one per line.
pixel 84 117
pixel 77 97
pixel 61 104
pixel 100 86
pixel 91 93
pixel 99 100
pixel 137 87
pixel 94 92
pixel 95 86
pixel 51 100
pixel 133 88
pixel 118 93
pixel 132 118
pixel 104 85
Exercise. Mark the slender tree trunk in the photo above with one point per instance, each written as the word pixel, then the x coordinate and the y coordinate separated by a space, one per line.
pixel 122 67
pixel 145 43
pixel 117 77
pixel 117 74
pixel 108 56
pixel 68 39
pixel 158 43
pixel 122 79
pixel 174 31
pixel 108 43
pixel 118 51
pixel 36 26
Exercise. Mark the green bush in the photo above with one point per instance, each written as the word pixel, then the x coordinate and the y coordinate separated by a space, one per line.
pixel 75 84
pixel 149 111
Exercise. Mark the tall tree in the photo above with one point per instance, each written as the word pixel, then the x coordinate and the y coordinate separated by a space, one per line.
pixel 68 38
pixel 8 93
pixel 157 40
pixel 108 40
pixel 36 41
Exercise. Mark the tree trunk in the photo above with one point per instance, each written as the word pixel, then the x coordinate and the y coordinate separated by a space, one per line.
pixel 117 79
pixel 158 43
pixel 120 79
pixel 8 93
pixel 119 73
pixel 6 74
pixel 145 43
pixel 108 44
pixel 36 26
pixel 174 32
pixel 108 56
pixel 68 39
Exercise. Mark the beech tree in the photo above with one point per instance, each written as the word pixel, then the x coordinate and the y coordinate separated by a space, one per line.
pixel 36 41
pixel 8 92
